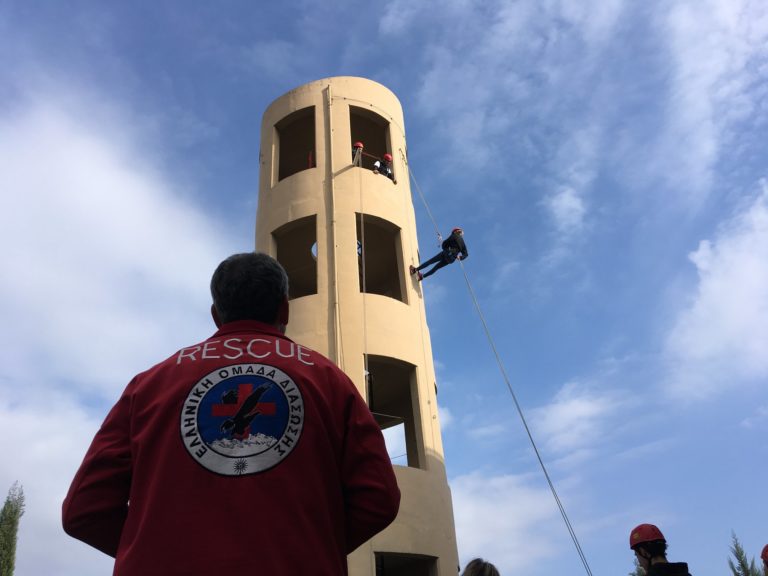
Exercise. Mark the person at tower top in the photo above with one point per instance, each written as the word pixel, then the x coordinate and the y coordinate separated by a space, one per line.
pixel 385 168
pixel 453 248
pixel 357 152
pixel 650 548
pixel 245 454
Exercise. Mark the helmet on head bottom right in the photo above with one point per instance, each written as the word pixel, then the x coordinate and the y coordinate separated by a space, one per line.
pixel 644 533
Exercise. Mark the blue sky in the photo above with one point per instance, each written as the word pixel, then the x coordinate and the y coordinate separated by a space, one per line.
pixel 606 160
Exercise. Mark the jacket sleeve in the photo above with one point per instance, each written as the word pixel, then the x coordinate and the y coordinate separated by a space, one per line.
pixel 462 248
pixel 371 495
pixel 96 506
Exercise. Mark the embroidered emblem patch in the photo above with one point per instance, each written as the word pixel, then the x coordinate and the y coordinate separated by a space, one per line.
pixel 242 419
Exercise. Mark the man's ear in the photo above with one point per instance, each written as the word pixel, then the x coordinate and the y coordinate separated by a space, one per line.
pixel 215 316
pixel 282 312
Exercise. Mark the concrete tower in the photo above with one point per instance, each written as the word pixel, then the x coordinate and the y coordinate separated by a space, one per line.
pixel 346 237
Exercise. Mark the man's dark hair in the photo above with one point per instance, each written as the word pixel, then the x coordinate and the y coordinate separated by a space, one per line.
pixel 249 286
pixel 479 567
pixel 654 548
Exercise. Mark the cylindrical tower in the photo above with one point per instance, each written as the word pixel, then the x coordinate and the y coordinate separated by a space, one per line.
pixel 346 237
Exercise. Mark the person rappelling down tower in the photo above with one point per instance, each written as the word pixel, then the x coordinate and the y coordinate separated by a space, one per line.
pixel 453 248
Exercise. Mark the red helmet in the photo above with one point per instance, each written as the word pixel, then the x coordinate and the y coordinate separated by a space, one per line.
pixel 388 157
pixel 358 145
pixel 457 230
pixel 644 533
pixel 764 554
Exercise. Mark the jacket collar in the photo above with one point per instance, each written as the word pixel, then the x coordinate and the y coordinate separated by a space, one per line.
pixel 248 326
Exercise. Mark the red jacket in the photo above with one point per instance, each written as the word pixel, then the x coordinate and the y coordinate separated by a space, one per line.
pixel 246 453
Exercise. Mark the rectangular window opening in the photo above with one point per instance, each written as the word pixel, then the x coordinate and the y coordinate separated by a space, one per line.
pixel 393 400
pixel 297 252
pixel 379 244
pixel 373 131
pixel 398 564
pixel 296 142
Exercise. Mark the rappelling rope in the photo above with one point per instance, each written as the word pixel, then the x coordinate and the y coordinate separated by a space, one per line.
pixel 408 203
pixel 560 506
pixel 423 200
pixel 367 374
pixel 525 425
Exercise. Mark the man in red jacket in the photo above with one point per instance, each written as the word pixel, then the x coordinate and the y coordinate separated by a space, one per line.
pixel 246 453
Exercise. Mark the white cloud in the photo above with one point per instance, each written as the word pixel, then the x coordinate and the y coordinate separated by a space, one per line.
pixel 504 276
pixel 487 432
pixel 648 451
pixel 760 416
pixel 567 210
pixel 575 420
pixel 446 418
pixel 433 291
pixel 719 340
pixel 275 59
pixel 716 47
pixel 398 16
pixel 524 79
pixel 105 264
pixel 43 441
pixel 105 271
pixel 486 71
pixel 574 166
pixel 597 20
pixel 504 519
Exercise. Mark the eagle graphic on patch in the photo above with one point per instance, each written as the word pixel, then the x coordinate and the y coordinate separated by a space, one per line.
pixel 242 419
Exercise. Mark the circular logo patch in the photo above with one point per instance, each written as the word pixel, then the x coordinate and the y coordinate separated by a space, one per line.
pixel 242 419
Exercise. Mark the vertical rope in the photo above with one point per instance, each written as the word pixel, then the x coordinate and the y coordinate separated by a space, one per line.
pixel 556 497
pixel 337 336
pixel 427 386
pixel 424 200
pixel 363 283
pixel 525 425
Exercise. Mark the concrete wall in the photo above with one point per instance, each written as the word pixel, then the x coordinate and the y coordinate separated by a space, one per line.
pixel 339 320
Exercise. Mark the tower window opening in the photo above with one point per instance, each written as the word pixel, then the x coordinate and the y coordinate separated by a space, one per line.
pixel 296 244
pixel 398 564
pixel 296 142
pixel 373 131
pixel 394 401
pixel 379 245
